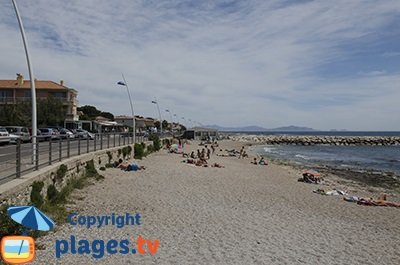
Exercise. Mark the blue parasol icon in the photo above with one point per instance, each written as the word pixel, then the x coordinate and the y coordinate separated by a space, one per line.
pixel 30 217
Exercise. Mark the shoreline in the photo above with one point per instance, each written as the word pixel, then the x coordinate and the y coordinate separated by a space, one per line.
pixel 371 183
pixel 388 181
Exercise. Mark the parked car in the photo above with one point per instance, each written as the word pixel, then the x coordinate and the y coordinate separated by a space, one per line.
pixel 81 133
pixel 4 136
pixel 65 133
pixel 39 135
pixel 49 133
pixel 18 132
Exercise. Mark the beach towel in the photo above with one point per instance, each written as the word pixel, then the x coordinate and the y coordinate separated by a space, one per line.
pixel 132 167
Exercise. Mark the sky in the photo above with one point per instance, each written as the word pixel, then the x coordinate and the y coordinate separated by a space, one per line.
pixel 320 64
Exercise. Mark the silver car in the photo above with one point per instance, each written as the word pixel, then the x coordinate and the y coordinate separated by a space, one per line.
pixel 4 136
pixel 19 132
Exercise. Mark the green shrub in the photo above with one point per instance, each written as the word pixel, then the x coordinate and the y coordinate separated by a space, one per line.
pixel 156 141
pixel 109 156
pixel 139 151
pixel 150 149
pixel 61 171
pixel 119 152
pixel 7 225
pixel 36 196
pixel 52 193
pixel 109 165
pixel 127 150
pixel 103 168
pixel 90 169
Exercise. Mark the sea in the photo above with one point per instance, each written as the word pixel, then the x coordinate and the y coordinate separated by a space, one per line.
pixel 358 158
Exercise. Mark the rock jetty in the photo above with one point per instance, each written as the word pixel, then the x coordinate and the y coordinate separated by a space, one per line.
pixel 317 140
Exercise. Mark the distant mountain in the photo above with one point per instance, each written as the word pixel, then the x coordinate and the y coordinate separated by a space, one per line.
pixel 292 128
pixel 254 128
pixel 238 129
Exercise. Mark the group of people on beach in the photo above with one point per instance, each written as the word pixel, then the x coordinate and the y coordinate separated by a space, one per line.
pixel 262 161
pixel 199 158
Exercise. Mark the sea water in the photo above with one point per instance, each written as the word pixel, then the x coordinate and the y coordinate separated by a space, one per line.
pixel 375 158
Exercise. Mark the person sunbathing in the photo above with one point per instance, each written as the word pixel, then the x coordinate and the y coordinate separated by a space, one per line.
pixel 217 165
pixel 130 167
pixel 201 163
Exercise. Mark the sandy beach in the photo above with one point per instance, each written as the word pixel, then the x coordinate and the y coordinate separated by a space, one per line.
pixel 240 214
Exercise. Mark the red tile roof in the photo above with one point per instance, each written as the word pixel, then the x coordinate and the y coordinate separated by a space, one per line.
pixel 40 84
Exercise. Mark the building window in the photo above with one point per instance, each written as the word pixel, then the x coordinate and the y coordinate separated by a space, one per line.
pixel 6 94
pixel 59 95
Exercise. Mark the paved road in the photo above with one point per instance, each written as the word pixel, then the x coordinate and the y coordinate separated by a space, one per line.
pixel 54 151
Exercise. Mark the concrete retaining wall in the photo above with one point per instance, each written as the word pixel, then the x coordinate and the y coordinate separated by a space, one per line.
pixel 17 191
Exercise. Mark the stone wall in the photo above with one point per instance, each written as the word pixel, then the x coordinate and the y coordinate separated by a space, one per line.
pixel 17 191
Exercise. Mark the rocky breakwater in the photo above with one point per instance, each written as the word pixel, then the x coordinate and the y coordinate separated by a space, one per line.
pixel 316 140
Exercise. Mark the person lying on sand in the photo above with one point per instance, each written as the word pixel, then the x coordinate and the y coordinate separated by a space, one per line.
pixel 310 178
pixel 217 165
pixel 130 167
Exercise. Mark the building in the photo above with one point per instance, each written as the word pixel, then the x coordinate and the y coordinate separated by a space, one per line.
pixel 13 91
pixel 141 123
pixel 201 134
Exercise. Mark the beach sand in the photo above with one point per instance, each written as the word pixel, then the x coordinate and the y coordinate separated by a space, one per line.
pixel 240 214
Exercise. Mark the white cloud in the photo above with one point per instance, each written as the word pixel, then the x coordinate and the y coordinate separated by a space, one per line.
pixel 253 62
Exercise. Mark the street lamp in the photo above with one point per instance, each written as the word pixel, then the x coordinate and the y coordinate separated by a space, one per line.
pixel 130 101
pixel 170 115
pixel 33 88
pixel 159 113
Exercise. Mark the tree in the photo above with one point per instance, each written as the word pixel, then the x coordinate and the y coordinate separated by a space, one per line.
pixel 90 111
pixel 107 115
pixel 157 124
pixel 165 124
pixel 50 111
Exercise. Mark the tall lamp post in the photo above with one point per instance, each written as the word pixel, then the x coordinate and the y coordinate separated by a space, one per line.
pixel 170 115
pixel 130 101
pixel 184 124
pixel 33 88
pixel 159 113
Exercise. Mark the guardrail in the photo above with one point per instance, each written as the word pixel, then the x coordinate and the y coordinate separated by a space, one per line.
pixel 16 160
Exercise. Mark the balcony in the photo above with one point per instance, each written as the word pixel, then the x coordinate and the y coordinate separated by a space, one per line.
pixel 11 100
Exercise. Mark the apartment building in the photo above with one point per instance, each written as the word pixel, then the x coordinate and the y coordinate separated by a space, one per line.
pixel 13 91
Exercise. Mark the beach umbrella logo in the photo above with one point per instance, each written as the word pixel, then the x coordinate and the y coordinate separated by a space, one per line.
pixel 21 249
pixel 30 217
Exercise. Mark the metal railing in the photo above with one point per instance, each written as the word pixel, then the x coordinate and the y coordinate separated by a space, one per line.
pixel 17 160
